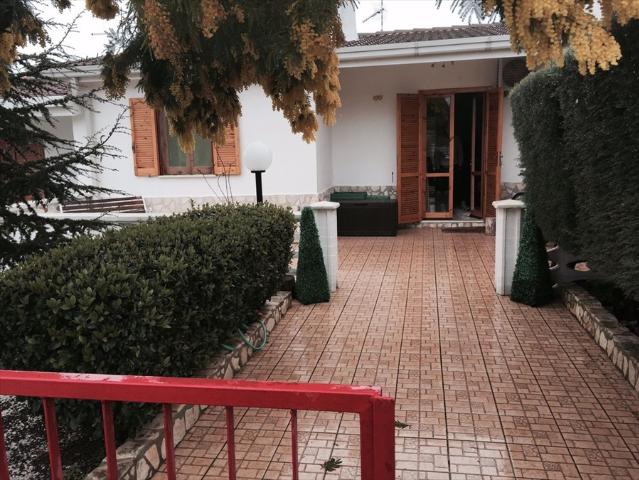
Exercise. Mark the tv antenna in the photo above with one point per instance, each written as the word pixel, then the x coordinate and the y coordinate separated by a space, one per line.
pixel 380 11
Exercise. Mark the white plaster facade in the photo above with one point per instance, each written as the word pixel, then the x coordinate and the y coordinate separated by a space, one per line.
pixel 358 151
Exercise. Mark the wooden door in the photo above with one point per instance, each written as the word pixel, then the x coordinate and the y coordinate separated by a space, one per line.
pixel 476 157
pixel 492 150
pixel 408 165
pixel 437 132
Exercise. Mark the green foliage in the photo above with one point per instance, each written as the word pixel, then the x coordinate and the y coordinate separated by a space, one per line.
pixel 532 284
pixel 311 285
pixel 543 157
pixel 195 57
pixel 332 464
pixel 151 299
pixel 29 182
pixel 593 211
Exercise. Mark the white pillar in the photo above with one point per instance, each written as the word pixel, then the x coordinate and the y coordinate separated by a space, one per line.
pixel 507 235
pixel 326 220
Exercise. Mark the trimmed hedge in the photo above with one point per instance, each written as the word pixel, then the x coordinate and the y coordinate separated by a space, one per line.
pixel 532 284
pixel 539 131
pixel 580 155
pixel 311 285
pixel 152 299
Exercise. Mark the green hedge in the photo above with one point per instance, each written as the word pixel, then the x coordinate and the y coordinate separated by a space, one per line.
pixel 579 143
pixel 532 284
pixel 539 132
pixel 152 299
pixel 311 285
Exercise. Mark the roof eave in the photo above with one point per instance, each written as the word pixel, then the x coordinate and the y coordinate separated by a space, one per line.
pixel 472 48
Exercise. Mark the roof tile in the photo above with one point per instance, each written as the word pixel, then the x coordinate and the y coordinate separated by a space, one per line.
pixel 428 34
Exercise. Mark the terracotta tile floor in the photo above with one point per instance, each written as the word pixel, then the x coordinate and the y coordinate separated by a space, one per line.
pixel 490 389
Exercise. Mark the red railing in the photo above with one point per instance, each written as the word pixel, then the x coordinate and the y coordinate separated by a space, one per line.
pixel 376 412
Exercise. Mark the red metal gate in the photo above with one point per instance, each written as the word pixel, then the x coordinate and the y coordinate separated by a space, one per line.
pixel 376 412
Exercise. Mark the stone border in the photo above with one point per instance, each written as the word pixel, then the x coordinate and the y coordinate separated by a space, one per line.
pixel 619 343
pixel 141 457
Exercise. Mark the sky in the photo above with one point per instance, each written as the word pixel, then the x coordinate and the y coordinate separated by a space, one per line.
pixel 89 39
pixel 405 14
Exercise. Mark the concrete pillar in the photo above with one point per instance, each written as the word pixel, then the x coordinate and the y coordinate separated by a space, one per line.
pixel 507 235
pixel 326 219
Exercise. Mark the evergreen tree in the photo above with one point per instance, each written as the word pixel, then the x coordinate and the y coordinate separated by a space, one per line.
pixel 312 282
pixel 532 284
pixel 29 179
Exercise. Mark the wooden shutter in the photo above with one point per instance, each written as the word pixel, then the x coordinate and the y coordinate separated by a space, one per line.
pixel 492 165
pixel 146 159
pixel 226 158
pixel 29 153
pixel 408 171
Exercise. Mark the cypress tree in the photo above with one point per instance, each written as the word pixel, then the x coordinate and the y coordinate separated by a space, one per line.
pixel 312 282
pixel 532 284
pixel 37 166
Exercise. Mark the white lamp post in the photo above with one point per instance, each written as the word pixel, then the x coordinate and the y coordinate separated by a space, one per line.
pixel 258 158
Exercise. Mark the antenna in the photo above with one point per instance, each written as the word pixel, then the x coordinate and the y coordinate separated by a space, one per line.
pixel 380 11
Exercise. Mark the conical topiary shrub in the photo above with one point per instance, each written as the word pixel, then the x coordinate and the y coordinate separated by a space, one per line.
pixel 311 285
pixel 532 284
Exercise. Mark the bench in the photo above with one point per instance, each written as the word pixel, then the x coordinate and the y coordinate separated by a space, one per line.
pixel 105 205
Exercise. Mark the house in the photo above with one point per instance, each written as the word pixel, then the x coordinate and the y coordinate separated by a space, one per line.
pixel 425 118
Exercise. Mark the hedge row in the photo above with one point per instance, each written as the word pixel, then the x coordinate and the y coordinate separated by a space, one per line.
pixel 152 299
pixel 579 143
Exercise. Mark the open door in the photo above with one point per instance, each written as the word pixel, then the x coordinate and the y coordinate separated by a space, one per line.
pixel 408 165
pixel 476 158
pixel 437 154
pixel 492 149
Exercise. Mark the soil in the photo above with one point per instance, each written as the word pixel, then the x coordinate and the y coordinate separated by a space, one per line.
pixel 27 445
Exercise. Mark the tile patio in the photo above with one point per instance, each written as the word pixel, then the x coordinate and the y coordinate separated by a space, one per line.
pixel 490 389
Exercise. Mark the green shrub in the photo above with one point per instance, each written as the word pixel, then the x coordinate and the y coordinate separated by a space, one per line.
pixel 532 284
pixel 311 285
pixel 151 299
pixel 538 126
pixel 593 209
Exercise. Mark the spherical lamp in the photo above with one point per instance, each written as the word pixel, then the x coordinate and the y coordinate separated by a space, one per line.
pixel 257 158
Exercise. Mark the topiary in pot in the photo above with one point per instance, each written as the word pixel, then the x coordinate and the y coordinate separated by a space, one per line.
pixel 312 282
pixel 532 284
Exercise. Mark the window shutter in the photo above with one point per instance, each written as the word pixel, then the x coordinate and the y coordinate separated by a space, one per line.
pixel 408 171
pixel 144 138
pixel 29 153
pixel 226 158
pixel 492 172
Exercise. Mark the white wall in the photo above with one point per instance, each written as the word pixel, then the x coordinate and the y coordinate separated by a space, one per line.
pixel 294 162
pixel 364 137
pixel 510 169
pixel 324 145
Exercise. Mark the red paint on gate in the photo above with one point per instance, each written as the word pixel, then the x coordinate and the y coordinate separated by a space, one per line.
pixel 169 444
pixel 110 446
pixel 377 417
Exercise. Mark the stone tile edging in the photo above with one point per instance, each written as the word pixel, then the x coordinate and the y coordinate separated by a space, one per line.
pixel 141 457
pixel 619 343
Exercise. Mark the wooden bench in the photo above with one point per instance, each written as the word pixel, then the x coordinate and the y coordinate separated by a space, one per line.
pixel 105 205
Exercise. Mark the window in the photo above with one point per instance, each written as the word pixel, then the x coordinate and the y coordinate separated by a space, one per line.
pixel 173 161
pixel 156 152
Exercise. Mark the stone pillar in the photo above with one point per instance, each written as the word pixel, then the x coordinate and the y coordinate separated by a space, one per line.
pixel 507 235
pixel 326 219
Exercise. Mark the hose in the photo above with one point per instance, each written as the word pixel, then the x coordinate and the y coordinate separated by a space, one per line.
pixel 247 341
pixel 264 338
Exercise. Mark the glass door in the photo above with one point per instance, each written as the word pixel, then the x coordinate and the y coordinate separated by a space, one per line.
pixel 438 133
